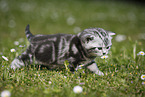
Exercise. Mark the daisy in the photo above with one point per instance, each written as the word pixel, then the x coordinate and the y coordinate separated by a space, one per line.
pixel 65 77
pixel 50 82
pixel 143 77
pixel 79 67
pixel 13 50
pixel 136 67
pixel 21 40
pixel 77 29
pixel 5 93
pixel 141 53
pixel 21 46
pixel 106 73
pixel 104 57
pixel 16 43
pixel 82 83
pixel 77 89
pixel 5 58
pixel 70 20
pixel 120 38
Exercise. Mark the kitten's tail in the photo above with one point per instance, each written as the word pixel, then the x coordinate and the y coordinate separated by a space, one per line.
pixel 29 35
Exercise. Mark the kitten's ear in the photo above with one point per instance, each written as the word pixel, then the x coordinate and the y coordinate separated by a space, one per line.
pixel 111 33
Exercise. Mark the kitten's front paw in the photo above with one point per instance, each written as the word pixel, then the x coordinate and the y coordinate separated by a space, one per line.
pixel 98 72
pixel 16 63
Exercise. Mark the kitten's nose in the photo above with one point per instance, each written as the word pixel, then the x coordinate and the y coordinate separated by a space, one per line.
pixel 104 53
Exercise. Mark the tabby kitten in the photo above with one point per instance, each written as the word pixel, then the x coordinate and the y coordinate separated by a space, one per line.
pixel 53 50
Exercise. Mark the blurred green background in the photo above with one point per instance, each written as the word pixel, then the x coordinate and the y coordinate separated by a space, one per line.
pixel 69 16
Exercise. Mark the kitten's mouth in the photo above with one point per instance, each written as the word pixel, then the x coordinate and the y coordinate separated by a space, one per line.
pixel 95 54
pixel 91 51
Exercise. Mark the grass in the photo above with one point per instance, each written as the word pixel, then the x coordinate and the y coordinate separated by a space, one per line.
pixel 123 68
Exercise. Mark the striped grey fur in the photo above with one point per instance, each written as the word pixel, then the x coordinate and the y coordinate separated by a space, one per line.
pixel 53 50
pixel 29 35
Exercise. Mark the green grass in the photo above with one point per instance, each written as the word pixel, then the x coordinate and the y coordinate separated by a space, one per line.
pixel 123 67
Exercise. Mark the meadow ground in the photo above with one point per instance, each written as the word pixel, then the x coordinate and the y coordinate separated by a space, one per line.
pixel 123 68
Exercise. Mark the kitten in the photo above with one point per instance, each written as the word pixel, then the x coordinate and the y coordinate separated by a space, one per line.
pixel 53 50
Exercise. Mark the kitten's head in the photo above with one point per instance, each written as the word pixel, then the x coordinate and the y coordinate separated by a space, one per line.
pixel 96 41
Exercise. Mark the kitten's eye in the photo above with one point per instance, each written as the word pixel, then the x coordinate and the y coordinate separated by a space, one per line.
pixel 89 39
pixel 100 48
pixel 107 47
pixel 93 48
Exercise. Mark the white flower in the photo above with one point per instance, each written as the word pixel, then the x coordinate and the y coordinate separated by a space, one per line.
pixel 4 5
pixel 16 43
pixel 142 36
pixel 54 15
pixel 80 66
pixel 143 77
pixel 77 89
pixel 12 23
pixel 5 58
pixel 50 82
pixel 65 77
pixel 141 53
pixel 70 20
pixel 13 50
pixel 136 67
pixel 143 83
pixel 104 57
pixel 5 93
pixel 120 38
pixel 21 46
pixel 77 29
pixel 106 73
pixel 21 40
